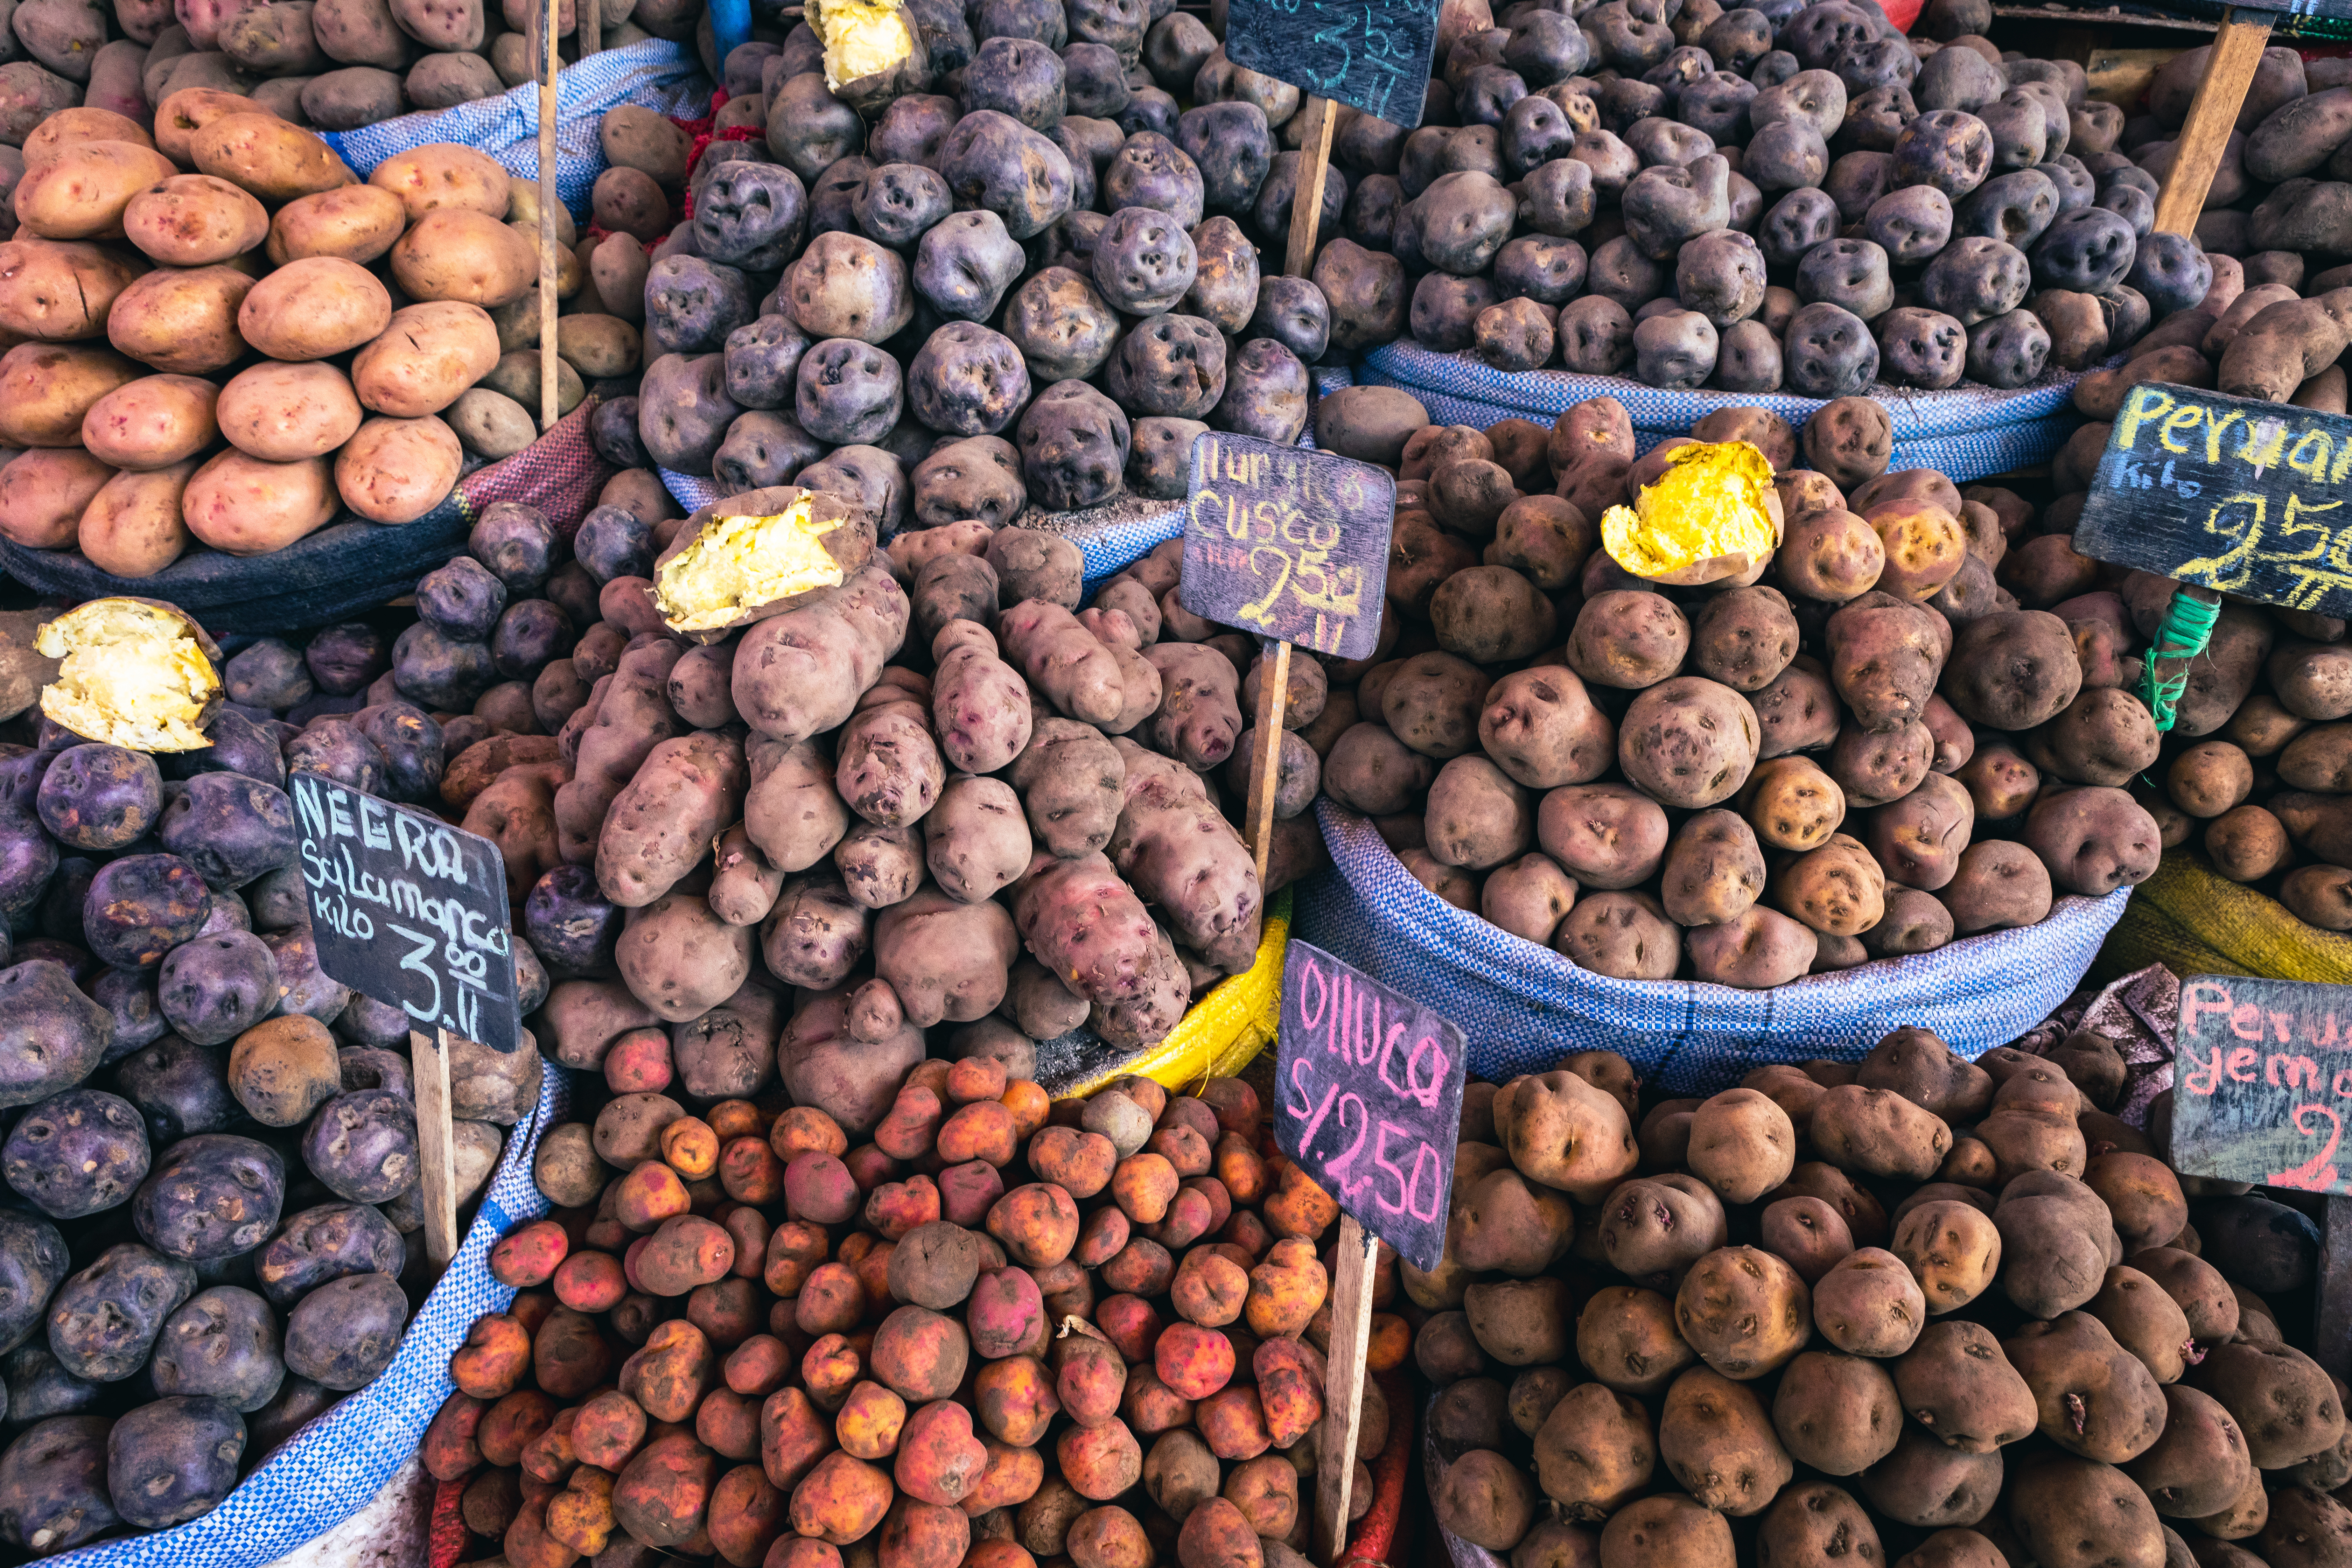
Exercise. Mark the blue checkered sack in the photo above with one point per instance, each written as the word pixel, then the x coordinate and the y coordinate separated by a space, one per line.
pixel 330 1470
pixel 1968 432
pixel 1522 1006
pixel 656 74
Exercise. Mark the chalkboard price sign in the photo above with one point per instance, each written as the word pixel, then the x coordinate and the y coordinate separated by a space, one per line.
pixel 2226 493
pixel 1290 544
pixel 1370 1086
pixel 2262 1081
pixel 409 910
pixel 1374 53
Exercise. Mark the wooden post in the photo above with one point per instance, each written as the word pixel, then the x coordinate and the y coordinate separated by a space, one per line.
pixel 428 1063
pixel 1306 205
pixel 1265 764
pixel 1343 1389
pixel 550 400
pixel 589 18
pixel 2212 115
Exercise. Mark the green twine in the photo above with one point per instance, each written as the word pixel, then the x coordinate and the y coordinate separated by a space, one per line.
pixel 2187 628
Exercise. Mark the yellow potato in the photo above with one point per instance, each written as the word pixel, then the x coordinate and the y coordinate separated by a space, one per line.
pixel 284 413
pixel 181 319
pixel 132 527
pixel 263 155
pixel 152 423
pixel 357 223
pixel 69 126
pixel 45 388
pixel 396 470
pixel 80 194
pixel 444 175
pixel 184 113
pixel 248 506
pixel 310 309
pixel 59 290
pixel 453 254
pixel 425 359
pixel 195 220
pixel 42 494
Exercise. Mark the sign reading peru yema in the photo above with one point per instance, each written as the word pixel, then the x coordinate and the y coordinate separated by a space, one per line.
pixel 409 910
pixel 2262 1080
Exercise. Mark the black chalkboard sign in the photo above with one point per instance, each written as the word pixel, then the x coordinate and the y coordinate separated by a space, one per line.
pixel 1373 54
pixel 1369 1083
pixel 409 910
pixel 2262 1080
pixel 1287 542
pixel 2227 493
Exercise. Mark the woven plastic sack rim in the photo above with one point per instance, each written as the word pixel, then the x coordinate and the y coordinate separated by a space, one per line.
pixel 334 1465
pixel 1914 415
pixel 1422 914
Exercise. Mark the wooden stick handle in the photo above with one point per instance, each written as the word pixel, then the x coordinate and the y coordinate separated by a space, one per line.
pixel 1265 757
pixel 1343 1389
pixel 589 17
pixel 1306 205
pixel 549 396
pixel 428 1061
pixel 2212 115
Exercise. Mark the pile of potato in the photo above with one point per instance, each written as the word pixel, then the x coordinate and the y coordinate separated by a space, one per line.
pixel 1920 1310
pixel 997 1330
pixel 175 390
pixel 1836 756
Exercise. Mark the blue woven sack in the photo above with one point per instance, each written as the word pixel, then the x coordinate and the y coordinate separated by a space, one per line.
pixel 656 74
pixel 332 1467
pixel 1968 432
pixel 1522 1006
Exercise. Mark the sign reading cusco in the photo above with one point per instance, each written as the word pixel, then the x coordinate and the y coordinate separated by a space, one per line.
pixel 2262 1081
pixel 1288 542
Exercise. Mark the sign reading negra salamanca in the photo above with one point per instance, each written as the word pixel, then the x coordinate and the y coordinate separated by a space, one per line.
pixel 2227 493
pixel 1287 542
pixel 1369 1084
pixel 2261 1082
pixel 409 910
pixel 1373 54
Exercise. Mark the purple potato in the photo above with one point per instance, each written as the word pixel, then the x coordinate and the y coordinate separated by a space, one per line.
pixel 61 913
pixel 1233 149
pixel 371 1067
pixel 99 797
pixel 138 1018
pixel 411 741
pixel 214 988
pixel 224 1344
pixel 994 163
pixel 752 215
pixel 231 828
pixel 761 360
pixel 520 545
pixel 210 1196
pixel 575 927
pixel 335 749
pixel 343 659
pixel 241 745
pixel 324 1244
pixel 53 1490
pixel 462 598
pixel 368 1023
pixel 103 1321
pixel 530 978
pixel 173 1460
pixel 76 1154
pixel 438 671
pixel 613 542
pixel 38 1388
pixel 612 431
pixel 52 1036
pixel 297 1403
pixel 346 1332
pixel 181 1089
pixel 304 988
pixel 364 1147
pixel 530 636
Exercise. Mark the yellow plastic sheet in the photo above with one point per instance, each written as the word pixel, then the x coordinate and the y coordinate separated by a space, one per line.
pixel 2195 922
pixel 1224 1029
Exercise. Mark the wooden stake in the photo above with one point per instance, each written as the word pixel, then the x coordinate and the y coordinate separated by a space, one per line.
pixel 550 401
pixel 1307 207
pixel 428 1064
pixel 2332 1335
pixel 2212 116
pixel 589 17
pixel 1343 1388
pixel 1265 764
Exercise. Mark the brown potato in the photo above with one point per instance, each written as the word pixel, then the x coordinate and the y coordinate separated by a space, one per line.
pixel 1717 1439
pixel 443 175
pixel 2076 1513
pixel 1806 1234
pixel 1815 1525
pixel 84 191
pixel 428 356
pixel 396 470
pixel 285 413
pixel 263 155
pixel 1653 1230
pixel 353 223
pixel 72 127
pixel 1837 889
pixel 314 309
pixel 195 220
pixel 1925 546
pixel 2144 1321
pixel 458 254
pixel 1868 1304
pixel 245 506
pixel 1952 1249
pixel 1838 1414
pixel 1742 1145
pixel 132 527
pixel 1923 1482
pixel 1563 1131
pixel 1879 1133
pixel 1626 1338
pixel 184 113
pixel 152 423
pixel 181 321
pixel 1791 804
pixel 1744 1311
pixel 1714 870
pixel 1688 741
pixel 1667 1532
pixel 1594 1451
pixel 2286 1405
pixel 60 292
pixel 1955 1383
pixel 46 389
pixel 2093 1398
pixel 1830 554
pixel 2199 1466
pixel 43 493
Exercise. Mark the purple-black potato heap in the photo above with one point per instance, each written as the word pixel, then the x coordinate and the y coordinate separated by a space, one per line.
pixel 1917 720
pixel 1915 1309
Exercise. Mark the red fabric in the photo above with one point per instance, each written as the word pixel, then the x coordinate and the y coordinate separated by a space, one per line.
pixel 449 1533
pixel 560 473
pixel 1374 1536
pixel 1902 13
